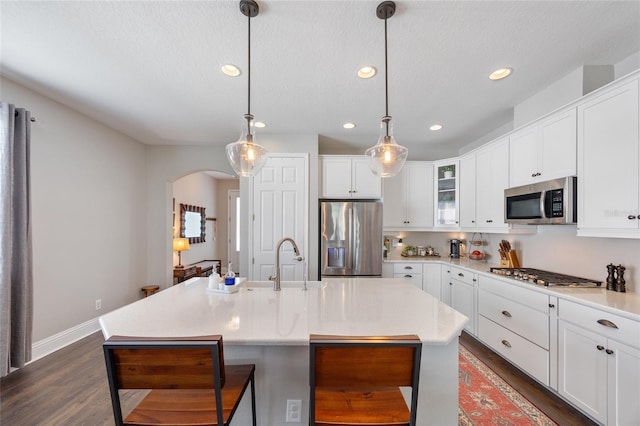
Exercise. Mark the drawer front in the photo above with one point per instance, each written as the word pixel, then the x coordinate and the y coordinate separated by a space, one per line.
pixel 531 298
pixel 527 356
pixel 531 324
pixel 413 279
pixel 407 268
pixel 462 275
pixel 612 326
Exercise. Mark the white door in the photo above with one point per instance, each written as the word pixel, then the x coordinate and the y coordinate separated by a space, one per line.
pixel 279 210
pixel 233 229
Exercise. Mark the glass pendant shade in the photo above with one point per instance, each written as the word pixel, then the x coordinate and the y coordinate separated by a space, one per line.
pixel 386 158
pixel 245 156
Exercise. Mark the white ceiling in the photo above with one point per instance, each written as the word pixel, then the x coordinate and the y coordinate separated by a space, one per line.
pixel 152 68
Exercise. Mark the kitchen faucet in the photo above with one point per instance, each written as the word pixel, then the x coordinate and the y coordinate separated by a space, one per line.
pixel 276 278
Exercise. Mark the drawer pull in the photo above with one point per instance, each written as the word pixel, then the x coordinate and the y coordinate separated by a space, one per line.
pixel 600 347
pixel 506 314
pixel 460 274
pixel 408 276
pixel 631 217
pixel 551 305
pixel 607 323
pixel 506 343
pixel 609 351
pixel 408 267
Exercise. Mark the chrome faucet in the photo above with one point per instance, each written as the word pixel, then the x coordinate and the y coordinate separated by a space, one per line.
pixel 276 278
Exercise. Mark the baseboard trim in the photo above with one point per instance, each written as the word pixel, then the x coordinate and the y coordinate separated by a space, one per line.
pixel 58 341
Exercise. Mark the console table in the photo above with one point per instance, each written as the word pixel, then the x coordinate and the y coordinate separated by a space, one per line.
pixel 204 268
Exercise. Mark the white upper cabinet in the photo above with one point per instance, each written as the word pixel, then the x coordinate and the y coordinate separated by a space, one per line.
pixel 348 177
pixel 447 209
pixel 484 175
pixel 467 178
pixel 544 150
pixel 492 178
pixel 408 197
pixel 609 163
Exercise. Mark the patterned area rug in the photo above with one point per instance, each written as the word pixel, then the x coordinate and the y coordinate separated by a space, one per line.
pixel 486 399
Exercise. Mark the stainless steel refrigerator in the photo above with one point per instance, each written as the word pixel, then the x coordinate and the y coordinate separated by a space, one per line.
pixel 350 238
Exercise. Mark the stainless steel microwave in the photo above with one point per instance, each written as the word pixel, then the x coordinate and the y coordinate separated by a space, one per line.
pixel 550 202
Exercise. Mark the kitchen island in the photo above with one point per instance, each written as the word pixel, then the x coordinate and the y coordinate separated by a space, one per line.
pixel 271 329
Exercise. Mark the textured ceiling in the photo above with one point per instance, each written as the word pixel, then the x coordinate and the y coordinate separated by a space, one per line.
pixel 152 68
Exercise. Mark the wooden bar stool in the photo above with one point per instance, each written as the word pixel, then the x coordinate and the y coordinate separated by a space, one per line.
pixel 188 380
pixel 356 379
pixel 148 290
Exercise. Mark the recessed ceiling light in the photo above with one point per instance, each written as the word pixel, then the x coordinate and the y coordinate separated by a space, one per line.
pixel 436 127
pixel 348 125
pixel 366 72
pixel 500 74
pixel 259 124
pixel 230 70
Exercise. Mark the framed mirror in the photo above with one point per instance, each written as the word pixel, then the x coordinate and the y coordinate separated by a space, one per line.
pixel 192 223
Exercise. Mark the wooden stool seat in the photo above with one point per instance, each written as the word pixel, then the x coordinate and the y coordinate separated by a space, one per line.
pixel 148 290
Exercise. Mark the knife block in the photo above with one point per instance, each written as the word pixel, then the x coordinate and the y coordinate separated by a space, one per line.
pixel 512 260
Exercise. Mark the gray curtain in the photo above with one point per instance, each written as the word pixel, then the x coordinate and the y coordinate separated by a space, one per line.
pixel 16 284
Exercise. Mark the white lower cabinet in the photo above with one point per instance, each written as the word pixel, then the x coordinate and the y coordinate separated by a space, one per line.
pixel 599 363
pixel 514 321
pixel 410 271
pixel 458 291
pixel 431 279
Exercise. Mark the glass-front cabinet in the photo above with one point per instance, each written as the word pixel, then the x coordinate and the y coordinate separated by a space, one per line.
pixel 447 211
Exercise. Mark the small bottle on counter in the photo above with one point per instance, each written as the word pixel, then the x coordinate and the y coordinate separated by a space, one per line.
pixel 230 276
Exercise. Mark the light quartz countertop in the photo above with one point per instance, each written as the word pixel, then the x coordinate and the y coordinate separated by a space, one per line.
pixel 262 316
pixel 624 304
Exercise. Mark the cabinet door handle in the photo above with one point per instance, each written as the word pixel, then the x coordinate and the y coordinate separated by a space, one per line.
pixel 631 217
pixel 600 347
pixel 460 274
pixel 506 343
pixel 551 305
pixel 506 314
pixel 533 175
pixel 609 351
pixel 607 323
pixel 408 276
pixel 489 221
pixel 473 221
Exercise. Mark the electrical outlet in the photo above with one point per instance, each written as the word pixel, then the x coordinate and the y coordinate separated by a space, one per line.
pixel 98 304
pixel 294 410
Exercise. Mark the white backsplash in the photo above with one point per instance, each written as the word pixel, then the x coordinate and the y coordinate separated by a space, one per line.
pixel 552 248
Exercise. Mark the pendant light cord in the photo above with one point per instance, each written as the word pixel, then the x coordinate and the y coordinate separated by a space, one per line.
pixel 248 116
pixel 386 80
pixel 386 72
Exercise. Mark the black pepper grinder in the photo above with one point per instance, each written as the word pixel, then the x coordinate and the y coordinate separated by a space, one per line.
pixel 620 282
pixel 611 279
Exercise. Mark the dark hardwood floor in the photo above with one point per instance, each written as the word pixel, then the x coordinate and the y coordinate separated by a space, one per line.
pixel 69 387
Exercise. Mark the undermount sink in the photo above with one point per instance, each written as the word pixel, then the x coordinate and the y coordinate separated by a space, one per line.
pixel 283 284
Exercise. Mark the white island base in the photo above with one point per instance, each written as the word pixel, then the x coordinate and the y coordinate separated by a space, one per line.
pixel 271 329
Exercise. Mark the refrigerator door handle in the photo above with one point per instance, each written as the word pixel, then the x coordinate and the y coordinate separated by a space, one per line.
pixel 351 240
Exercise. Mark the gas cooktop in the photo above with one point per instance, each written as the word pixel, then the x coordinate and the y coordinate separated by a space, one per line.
pixel 545 278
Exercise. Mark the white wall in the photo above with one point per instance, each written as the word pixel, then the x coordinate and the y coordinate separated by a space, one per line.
pixel 197 189
pixel 222 201
pixel 88 210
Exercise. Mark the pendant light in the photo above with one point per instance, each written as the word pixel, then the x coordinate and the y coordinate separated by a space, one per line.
pixel 245 156
pixel 386 158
